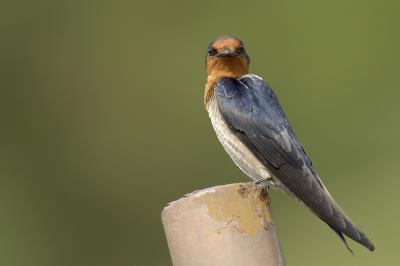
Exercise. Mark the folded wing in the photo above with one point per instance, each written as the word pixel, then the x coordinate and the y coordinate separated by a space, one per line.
pixel 252 111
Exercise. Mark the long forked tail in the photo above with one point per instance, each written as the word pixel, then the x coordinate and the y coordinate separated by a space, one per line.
pixel 341 236
pixel 342 225
pixel 354 233
pixel 317 198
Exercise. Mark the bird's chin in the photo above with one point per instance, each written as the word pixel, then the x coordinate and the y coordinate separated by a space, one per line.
pixel 227 55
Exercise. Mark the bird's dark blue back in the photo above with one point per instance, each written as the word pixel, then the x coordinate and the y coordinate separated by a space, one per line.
pixel 252 112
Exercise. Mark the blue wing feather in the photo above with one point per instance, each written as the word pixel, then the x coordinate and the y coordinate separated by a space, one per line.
pixel 252 111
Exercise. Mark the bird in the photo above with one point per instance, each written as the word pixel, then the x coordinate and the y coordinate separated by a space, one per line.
pixel 253 129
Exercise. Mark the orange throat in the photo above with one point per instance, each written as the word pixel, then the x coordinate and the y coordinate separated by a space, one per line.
pixel 218 68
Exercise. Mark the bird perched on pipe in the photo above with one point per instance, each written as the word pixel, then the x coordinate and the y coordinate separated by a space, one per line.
pixel 253 129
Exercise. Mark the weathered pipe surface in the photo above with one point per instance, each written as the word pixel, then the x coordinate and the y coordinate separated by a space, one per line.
pixel 221 226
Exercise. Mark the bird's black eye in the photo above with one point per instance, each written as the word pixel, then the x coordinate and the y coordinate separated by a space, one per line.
pixel 211 51
pixel 240 50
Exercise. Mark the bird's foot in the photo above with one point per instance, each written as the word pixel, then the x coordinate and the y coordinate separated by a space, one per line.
pixel 262 182
pixel 264 185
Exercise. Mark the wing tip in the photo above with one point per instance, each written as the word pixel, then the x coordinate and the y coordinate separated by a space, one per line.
pixel 366 242
pixel 363 240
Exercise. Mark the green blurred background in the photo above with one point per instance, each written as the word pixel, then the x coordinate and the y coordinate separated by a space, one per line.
pixel 102 122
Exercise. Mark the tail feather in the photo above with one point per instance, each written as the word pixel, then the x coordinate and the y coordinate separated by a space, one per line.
pixel 308 189
pixel 341 224
pixel 340 234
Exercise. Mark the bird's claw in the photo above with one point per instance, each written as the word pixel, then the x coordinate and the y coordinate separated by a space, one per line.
pixel 262 182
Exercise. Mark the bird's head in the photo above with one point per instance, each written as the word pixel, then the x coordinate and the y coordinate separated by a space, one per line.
pixel 227 57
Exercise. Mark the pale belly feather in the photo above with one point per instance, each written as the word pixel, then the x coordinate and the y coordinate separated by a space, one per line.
pixel 239 153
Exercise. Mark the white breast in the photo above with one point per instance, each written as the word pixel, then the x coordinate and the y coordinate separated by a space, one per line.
pixel 239 153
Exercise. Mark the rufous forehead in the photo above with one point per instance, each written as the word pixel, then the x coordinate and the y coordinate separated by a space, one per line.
pixel 230 43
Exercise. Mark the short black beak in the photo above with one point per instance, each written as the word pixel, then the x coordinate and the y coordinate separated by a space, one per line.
pixel 226 52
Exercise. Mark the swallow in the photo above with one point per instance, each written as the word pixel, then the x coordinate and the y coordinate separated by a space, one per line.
pixel 252 127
